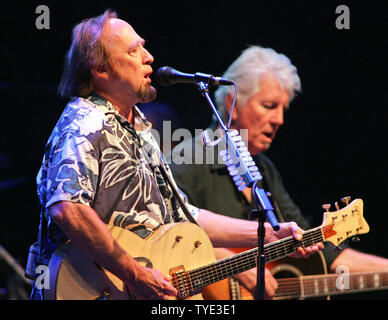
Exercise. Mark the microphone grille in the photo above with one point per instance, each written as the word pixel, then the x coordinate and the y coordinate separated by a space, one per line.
pixel 162 76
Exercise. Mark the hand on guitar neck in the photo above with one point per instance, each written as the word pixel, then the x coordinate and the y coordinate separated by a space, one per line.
pixel 337 227
pixel 291 228
pixel 248 279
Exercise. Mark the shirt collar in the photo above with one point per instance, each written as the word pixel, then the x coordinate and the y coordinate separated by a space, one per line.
pixel 140 121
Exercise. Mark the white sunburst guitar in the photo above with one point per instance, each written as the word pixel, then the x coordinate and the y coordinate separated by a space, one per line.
pixel 184 251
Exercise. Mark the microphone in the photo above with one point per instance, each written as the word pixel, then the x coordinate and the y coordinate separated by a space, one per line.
pixel 167 76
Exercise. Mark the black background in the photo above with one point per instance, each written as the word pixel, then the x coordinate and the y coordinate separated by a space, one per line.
pixel 333 143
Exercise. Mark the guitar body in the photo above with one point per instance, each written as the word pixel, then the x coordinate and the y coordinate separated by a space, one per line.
pixel 184 251
pixel 74 276
pixel 230 289
pixel 294 268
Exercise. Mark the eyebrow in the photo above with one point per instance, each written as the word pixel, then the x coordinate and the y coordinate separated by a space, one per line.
pixel 134 45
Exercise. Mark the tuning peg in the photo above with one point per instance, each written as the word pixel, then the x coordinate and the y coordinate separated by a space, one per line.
pixel 326 206
pixel 346 200
pixel 355 239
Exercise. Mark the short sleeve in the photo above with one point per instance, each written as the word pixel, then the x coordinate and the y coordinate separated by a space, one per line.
pixel 71 173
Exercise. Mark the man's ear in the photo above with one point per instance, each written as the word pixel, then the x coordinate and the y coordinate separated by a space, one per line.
pixel 228 105
pixel 99 73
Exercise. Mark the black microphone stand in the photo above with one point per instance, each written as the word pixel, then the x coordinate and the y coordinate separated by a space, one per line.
pixel 264 209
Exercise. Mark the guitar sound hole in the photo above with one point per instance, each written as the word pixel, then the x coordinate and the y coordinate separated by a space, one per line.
pixel 285 274
pixel 286 271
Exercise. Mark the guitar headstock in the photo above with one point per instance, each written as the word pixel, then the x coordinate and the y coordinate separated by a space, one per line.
pixel 344 223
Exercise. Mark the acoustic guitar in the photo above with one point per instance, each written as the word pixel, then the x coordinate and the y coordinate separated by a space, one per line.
pixel 184 251
pixel 303 279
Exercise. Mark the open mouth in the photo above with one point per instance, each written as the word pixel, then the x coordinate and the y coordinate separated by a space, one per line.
pixel 268 135
pixel 148 74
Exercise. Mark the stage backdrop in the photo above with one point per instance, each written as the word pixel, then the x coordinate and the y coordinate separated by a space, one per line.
pixel 333 143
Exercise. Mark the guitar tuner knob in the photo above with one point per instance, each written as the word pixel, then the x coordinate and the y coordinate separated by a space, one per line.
pixel 326 206
pixel 197 243
pixel 346 200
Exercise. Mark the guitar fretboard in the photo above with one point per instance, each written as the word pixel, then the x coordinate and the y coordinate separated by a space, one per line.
pixel 325 285
pixel 246 260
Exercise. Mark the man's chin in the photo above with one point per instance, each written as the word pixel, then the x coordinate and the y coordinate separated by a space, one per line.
pixel 263 147
pixel 147 95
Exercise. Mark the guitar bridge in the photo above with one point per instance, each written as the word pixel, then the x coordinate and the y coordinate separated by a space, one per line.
pixel 181 280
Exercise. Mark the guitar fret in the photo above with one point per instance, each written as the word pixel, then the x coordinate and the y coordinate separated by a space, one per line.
pixel 246 260
pixel 323 285
pixel 290 245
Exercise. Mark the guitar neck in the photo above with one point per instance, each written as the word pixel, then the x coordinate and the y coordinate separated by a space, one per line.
pixel 325 285
pixel 246 260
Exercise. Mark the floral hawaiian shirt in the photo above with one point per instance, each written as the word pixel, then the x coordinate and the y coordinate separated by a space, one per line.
pixel 94 156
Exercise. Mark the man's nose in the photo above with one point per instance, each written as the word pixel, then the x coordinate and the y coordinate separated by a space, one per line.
pixel 148 58
pixel 278 116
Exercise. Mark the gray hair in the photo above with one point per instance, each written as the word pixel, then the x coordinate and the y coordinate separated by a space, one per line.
pixel 247 70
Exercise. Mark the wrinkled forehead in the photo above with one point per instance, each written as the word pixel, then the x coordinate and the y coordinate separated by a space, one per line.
pixel 119 33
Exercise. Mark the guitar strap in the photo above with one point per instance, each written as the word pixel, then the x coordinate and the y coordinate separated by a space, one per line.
pixel 155 159
pixel 38 253
pixel 176 194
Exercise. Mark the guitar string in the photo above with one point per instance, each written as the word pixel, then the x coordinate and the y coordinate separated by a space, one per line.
pixel 205 275
pixel 366 279
pixel 356 281
pixel 293 285
pixel 326 289
pixel 293 289
pixel 248 264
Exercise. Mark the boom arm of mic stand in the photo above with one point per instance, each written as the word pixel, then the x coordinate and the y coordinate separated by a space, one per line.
pixel 205 92
pixel 264 211
pixel 260 195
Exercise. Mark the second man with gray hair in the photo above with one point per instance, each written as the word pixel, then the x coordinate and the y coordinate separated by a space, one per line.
pixel 267 83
